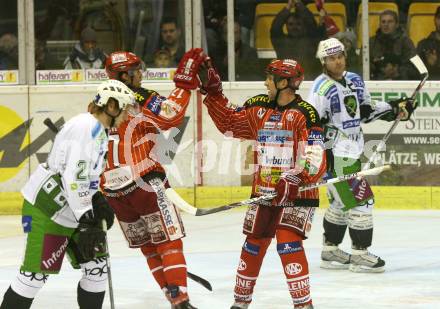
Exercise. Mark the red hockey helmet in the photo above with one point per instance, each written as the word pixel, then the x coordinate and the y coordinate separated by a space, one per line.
pixel 121 61
pixel 287 68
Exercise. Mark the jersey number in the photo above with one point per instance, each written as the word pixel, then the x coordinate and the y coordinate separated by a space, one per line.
pixel 113 146
pixel 82 166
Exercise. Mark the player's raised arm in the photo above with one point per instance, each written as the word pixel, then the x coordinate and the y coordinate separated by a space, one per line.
pixel 226 116
pixel 169 112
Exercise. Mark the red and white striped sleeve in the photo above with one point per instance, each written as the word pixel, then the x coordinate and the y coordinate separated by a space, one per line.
pixel 241 122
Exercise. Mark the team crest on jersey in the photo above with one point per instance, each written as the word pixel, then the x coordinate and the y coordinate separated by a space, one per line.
pixel 289 117
pixel 261 112
pixel 350 105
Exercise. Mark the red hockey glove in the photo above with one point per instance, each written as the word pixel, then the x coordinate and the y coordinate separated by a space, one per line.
pixel 188 68
pixel 286 189
pixel 211 82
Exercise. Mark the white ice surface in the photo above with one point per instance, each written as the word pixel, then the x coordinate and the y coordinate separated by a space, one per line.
pixel 409 242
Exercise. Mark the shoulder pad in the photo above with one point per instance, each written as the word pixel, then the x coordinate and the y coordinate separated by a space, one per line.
pixel 258 100
pixel 325 87
pixel 311 114
pixel 142 95
pixel 355 79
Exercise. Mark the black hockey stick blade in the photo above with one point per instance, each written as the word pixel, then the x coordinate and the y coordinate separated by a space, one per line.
pixel 203 282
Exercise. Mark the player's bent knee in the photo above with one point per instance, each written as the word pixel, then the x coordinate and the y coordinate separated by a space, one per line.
pixel 94 277
pixel 359 220
pixel 27 284
pixel 336 216
pixel 170 247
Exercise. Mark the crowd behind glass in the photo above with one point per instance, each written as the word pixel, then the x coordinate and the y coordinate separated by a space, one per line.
pixel 78 34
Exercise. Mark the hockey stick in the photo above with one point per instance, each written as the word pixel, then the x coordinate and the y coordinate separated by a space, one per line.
pixel 186 207
pixel 420 66
pixel 107 263
pixel 205 283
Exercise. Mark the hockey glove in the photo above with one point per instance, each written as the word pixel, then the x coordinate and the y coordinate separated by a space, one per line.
pixel 102 210
pixel 211 82
pixel 188 68
pixel 404 107
pixel 286 189
pixel 91 238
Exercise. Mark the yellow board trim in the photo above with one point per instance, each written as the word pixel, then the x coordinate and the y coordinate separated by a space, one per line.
pixel 387 197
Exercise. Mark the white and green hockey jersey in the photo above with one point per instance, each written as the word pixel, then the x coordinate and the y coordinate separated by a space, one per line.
pixel 342 108
pixel 63 186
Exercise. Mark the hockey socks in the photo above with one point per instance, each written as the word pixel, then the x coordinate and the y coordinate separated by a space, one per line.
pixel 251 258
pixel 13 300
pixel 335 225
pixel 173 262
pixel 296 269
pixel 89 300
pixel 168 267
pixel 154 262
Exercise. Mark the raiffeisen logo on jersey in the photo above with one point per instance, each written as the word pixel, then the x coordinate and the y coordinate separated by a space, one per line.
pixel 277 137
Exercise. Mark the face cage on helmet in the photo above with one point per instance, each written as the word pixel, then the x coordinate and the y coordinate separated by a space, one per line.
pixel 141 66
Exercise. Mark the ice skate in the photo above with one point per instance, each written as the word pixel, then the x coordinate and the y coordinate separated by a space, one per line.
pixel 334 258
pixel 184 305
pixel 178 299
pixel 363 261
pixel 240 306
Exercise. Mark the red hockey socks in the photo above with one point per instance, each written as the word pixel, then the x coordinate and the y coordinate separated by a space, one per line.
pixel 154 261
pixel 174 269
pixel 173 262
pixel 251 258
pixel 296 268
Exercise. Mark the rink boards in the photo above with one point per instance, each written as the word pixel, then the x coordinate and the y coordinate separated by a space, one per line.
pixel 219 166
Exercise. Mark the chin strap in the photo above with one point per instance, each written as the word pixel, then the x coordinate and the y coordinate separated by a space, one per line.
pixel 276 80
pixel 112 123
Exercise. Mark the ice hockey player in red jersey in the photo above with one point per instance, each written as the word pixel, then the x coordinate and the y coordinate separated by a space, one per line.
pixel 134 181
pixel 290 153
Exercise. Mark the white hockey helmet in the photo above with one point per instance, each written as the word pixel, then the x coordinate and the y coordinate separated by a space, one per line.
pixel 329 47
pixel 117 90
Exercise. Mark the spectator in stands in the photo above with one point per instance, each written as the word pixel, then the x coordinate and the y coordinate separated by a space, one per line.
pixel 245 17
pixel 388 66
pixel 162 59
pixel 170 35
pixel 390 39
pixel 303 35
pixel 430 54
pixel 354 59
pixel 44 60
pixel 433 40
pixel 85 54
pixel 246 58
pixel 8 52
